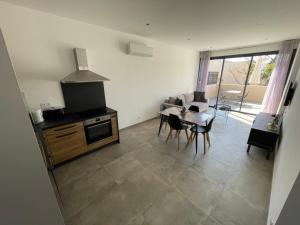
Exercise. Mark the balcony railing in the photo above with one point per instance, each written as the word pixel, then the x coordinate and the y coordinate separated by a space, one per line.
pixel 232 94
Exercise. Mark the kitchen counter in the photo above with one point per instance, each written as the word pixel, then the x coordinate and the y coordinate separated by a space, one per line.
pixel 71 118
pixel 66 138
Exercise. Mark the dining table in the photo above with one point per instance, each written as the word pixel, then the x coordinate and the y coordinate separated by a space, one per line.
pixel 188 117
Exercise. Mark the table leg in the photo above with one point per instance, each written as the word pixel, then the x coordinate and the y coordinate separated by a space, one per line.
pixel 248 149
pixel 272 150
pixel 160 125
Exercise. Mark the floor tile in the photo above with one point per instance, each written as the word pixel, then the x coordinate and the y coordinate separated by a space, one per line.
pixel 199 190
pixel 123 202
pixel 234 210
pixel 145 181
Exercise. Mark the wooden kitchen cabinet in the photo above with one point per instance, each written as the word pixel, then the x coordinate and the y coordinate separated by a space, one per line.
pixel 65 142
pixel 67 138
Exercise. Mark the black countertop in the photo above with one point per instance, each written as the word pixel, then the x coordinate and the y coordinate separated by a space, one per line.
pixel 72 118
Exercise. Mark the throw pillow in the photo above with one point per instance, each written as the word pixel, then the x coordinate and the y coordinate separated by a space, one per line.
pixel 199 96
pixel 178 102
pixel 172 100
pixel 189 97
pixel 181 97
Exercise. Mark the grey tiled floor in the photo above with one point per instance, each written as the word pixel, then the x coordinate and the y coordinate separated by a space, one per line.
pixel 144 181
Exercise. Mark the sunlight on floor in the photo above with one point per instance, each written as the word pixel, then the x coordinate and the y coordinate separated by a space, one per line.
pixel 245 118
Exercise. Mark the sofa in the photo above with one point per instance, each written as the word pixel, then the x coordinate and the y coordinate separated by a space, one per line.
pixel 185 100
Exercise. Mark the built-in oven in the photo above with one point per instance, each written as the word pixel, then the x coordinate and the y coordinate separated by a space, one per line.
pixel 98 128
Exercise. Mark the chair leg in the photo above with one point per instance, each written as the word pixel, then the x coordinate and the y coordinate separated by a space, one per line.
pixel 204 143
pixel 178 137
pixel 166 125
pixel 186 133
pixel 190 138
pixel 169 135
pixel 208 139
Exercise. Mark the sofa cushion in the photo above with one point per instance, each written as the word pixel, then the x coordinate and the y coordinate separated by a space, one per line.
pixel 202 105
pixel 172 100
pixel 182 98
pixel 199 96
pixel 168 105
pixel 189 97
pixel 178 102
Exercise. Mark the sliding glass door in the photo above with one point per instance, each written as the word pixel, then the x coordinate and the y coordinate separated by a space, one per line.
pixel 215 70
pixel 233 81
pixel 240 81
pixel 258 80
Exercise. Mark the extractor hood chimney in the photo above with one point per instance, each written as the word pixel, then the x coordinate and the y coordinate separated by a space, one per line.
pixel 82 73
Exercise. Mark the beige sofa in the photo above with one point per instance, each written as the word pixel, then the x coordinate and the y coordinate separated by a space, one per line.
pixel 187 101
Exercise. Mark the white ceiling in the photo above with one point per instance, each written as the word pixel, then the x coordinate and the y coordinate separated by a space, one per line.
pixel 195 24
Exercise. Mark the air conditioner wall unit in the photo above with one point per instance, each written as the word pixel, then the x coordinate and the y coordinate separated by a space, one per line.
pixel 140 50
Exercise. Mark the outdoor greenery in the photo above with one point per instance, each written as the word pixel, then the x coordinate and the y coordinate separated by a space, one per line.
pixel 267 72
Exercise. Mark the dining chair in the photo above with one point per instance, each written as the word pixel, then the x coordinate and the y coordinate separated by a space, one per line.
pixel 226 108
pixel 194 108
pixel 165 121
pixel 204 130
pixel 176 124
pixel 240 97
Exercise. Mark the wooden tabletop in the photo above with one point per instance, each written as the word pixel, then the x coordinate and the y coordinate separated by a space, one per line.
pixel 189 116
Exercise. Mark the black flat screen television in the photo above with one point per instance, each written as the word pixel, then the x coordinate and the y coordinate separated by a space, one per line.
pixel 83 97
pixel 290 95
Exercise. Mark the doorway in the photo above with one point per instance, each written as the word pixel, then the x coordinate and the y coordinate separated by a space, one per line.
pixel 240 81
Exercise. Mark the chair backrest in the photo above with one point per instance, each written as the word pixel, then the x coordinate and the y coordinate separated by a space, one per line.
pixel 174 122
pixel 194 108
pixel 209 125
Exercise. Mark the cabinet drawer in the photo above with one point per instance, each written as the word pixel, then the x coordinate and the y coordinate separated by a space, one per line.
pixel 65 142
pixel 67 147
pixel 64 136
pixel 61 130
pixel 71 140
pixel 62 156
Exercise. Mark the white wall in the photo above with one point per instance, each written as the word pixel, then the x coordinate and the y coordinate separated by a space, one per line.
pixel 290 212
pixel 26 195
pixel 287 158
pixel 41 45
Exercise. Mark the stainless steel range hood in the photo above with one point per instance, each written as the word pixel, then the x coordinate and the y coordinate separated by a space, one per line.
pixel 82 74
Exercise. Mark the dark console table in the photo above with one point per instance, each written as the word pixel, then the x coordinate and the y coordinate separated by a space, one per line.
pixel 261 136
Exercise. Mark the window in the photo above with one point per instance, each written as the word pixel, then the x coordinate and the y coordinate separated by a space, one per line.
pixel 240 81
pixel 212 78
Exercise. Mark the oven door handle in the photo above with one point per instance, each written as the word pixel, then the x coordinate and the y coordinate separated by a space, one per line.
pixel 99 124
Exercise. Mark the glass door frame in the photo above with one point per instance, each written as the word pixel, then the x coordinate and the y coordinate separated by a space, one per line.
pixel 248 72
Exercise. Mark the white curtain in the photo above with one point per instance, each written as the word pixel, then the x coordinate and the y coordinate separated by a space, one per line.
pixel 203 71
pixel 278 78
